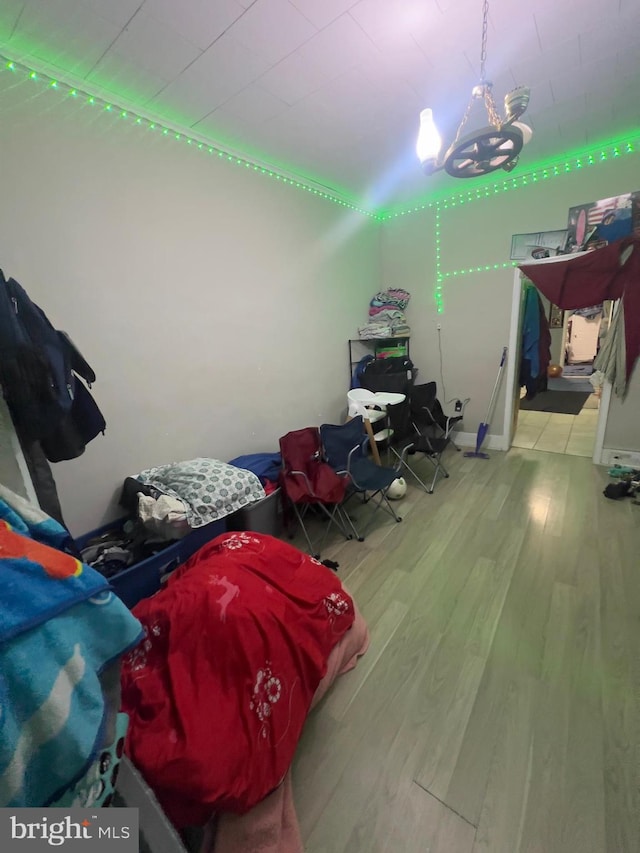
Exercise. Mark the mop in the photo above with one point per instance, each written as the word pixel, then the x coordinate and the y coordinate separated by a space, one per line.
pixel 483 429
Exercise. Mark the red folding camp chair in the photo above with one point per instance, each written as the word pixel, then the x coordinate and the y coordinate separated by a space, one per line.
pixel 307 481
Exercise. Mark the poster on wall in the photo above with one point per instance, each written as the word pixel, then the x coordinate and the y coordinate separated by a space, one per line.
pixel 540 244
pixel 597 223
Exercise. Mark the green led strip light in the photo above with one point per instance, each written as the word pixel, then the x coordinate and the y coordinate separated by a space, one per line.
pixel 542 172
pixel 439 276
pixel 385 216
pixel 606 151
pixel 591 157
pixel 485 268
pixel 162 129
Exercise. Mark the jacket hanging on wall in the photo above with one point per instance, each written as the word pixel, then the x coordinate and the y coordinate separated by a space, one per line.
pixel 536 344
pixel 41 374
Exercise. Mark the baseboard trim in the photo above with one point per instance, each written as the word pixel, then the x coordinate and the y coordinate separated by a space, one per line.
pixel 491 442
pixel 612 456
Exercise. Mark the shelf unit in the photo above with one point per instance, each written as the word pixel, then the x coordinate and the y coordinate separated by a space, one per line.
pixel 359 347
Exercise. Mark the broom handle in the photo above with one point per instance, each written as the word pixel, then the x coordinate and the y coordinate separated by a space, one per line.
pixel 495 387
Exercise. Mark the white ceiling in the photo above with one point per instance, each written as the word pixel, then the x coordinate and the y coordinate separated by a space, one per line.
pixel 331 89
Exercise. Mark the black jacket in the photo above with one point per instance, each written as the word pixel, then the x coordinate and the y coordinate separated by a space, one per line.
pixel 39 374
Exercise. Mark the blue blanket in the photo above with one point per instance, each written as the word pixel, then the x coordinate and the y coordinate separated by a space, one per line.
pixel 60 626
pixel 266 466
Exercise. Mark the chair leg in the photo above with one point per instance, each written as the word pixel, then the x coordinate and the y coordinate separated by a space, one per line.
pixel 448 434
pixel 390 509
pixel 335 517
pixel 299 516
pixel 382 503
pixel 414 475
pixel 402 463
pixel 349 521
pixel 439 468
pixel 331 516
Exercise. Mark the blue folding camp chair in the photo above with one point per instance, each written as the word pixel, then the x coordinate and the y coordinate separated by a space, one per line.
pixel 344 447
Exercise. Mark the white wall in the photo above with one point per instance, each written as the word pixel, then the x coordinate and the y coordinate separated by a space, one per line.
pixel 474 323
pixel 623 424
pixel 408 261
pixel 477 307
pixel 13 467
pixel 213 303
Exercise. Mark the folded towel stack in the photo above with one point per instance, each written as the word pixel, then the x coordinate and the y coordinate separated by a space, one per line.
pixel 386 315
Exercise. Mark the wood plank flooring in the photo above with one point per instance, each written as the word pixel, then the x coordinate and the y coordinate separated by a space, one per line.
pixel 498 708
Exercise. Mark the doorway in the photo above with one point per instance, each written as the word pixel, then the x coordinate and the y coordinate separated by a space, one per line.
pixel 572 419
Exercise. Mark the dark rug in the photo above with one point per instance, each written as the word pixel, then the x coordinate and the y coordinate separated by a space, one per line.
pixel 578 369
pixel 570 383
pixel 558 402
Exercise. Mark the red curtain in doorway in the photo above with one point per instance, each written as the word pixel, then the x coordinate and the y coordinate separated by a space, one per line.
pixel 588 278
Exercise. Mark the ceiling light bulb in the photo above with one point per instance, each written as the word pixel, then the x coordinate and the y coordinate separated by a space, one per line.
pixel 525 130
pixel 516 101
pixel 429 140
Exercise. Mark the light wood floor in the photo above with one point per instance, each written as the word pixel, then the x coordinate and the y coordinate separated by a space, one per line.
pixel 498 707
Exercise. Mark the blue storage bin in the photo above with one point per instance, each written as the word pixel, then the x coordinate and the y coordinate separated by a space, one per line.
pixel 145 578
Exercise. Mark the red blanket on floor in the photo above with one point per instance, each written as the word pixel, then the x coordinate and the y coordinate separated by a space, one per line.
pixel 218 692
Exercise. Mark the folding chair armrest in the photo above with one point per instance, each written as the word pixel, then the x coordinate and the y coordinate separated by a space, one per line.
pixel 450 416
pixel 358 447
pixel 305 478
pixel 353 450
pixel 450 420
pixel 402 456
pixel 429 414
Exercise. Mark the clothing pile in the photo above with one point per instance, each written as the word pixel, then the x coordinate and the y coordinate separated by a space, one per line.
pixel 627 483
pixel 386 315
pixel 266 467
pixel 592 312
pixel 62 632
pixel 115 550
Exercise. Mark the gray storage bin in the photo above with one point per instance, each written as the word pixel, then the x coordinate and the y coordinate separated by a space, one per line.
pixel 262 516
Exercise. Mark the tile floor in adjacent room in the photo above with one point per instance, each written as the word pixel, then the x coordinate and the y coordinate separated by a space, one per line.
pixel 570 434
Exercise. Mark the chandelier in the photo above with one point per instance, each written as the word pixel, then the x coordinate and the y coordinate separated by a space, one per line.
pixel 496 146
